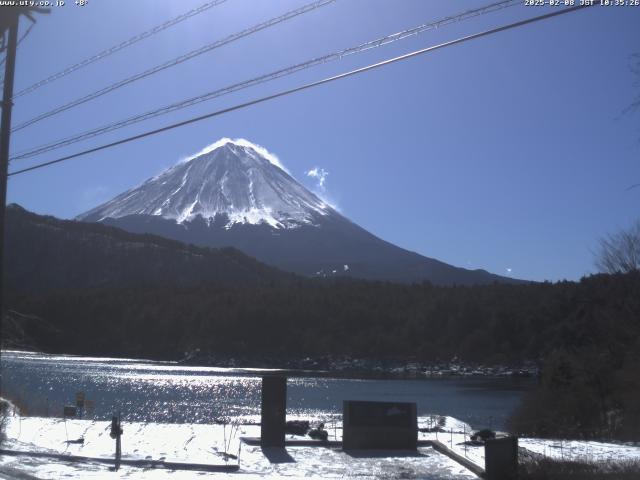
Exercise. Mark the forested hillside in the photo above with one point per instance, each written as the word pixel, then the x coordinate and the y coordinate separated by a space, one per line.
pixel 490 324
pixel 45 253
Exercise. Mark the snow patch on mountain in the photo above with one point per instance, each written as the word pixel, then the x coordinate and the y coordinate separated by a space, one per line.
pixel 241 142
pixel 235 179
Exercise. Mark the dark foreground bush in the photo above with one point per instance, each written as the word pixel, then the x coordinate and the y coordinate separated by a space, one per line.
pixel 584 393
pixel 548 469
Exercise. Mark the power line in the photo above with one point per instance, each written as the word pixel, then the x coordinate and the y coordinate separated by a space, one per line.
pixel 305 87
pixel 118 47
pixel 265 78
pixel 182 58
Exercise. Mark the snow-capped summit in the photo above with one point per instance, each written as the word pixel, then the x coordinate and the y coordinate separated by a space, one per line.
pixel 232 178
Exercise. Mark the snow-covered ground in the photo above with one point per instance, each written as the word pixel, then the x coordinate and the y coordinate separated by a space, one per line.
pixel 582 451
pixel 198 443
pixel 458 432
pixel 454 437
pixel 206 444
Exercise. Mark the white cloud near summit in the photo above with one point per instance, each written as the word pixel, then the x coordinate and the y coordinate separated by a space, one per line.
pixel 320 174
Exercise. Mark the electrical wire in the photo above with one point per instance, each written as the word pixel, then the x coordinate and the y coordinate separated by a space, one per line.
pixel 118 47
pixel 265 78
pixel 176 61
pixel 306 86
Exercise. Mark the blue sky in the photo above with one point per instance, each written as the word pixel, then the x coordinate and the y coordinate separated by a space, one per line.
pixel 509 153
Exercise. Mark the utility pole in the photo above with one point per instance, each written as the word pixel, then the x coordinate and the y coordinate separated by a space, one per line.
pixel 5 136
pixel 9 21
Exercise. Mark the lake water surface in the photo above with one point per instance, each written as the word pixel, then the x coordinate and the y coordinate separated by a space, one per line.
pixel 170 393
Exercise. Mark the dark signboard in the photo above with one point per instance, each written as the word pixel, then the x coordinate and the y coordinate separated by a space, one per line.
pixel 69 411
pixel 380 414
pixel 379 425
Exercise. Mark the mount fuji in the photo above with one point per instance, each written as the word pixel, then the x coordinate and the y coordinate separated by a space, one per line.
pixel 235 193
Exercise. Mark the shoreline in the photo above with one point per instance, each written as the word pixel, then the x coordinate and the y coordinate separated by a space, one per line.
pixel 325 367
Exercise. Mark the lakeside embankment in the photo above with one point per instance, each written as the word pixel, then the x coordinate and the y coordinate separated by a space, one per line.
pixel 345 366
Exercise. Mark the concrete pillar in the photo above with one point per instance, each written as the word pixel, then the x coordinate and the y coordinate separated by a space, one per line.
pixel 501 458
pixel 274 411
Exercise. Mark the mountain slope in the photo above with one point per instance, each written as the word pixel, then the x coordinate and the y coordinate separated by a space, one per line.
pixel 235 193
pixel 43 253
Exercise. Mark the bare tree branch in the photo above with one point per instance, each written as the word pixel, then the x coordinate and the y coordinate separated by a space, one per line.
pixel 620 252
pixel 635 69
